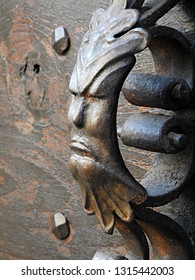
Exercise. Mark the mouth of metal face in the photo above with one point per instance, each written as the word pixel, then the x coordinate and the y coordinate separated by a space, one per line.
pixel 81 149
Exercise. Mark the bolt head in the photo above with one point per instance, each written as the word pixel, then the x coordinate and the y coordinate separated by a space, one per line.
pixel 60 40
pixel 60 226
pixel 179 141
pixel 180 91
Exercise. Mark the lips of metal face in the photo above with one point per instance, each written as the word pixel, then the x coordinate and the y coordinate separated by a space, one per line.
pixel 80 148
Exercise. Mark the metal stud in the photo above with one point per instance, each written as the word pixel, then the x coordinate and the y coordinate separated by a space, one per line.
pixel 60 226
pixel 60 40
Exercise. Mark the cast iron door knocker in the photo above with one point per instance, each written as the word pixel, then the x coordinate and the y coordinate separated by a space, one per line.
pixel 105 59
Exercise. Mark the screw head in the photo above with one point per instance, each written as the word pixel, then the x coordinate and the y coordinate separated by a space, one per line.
pixel 60 226
pixel 60 40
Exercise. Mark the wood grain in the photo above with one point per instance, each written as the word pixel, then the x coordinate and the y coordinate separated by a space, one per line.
pixel 35 181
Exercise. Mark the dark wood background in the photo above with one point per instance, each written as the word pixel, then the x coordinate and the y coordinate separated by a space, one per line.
pixel 35 181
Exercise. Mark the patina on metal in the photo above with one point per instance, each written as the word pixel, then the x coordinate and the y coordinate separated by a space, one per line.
pixel 105 58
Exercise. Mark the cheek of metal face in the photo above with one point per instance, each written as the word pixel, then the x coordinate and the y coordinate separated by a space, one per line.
pixel 88 112
pixel 91 129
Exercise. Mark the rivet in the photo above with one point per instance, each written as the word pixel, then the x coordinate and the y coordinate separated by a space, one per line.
pixel 60 226
pixel 178 141
pixel 60 40
pixel 180 91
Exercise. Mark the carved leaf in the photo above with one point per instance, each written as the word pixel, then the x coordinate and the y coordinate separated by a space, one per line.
pixel 110 38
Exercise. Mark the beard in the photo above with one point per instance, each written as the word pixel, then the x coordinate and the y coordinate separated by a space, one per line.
pixel 106 190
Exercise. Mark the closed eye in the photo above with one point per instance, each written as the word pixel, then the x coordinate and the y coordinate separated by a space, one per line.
pixel 74 93
pixel 98 96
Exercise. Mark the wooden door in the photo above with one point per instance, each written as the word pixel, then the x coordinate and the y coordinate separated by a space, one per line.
pixel 35 181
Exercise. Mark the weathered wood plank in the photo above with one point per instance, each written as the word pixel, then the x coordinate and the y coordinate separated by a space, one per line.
pixel 34 149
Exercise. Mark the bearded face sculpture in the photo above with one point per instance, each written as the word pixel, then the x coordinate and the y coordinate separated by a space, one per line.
pixel 105 58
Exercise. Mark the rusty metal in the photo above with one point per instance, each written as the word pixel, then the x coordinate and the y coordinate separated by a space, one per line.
pixel 153 10
pixel 60 40
pixel 157 91
pixel 156 133
pixel 180 92
pixel 179 141
pixel 105 58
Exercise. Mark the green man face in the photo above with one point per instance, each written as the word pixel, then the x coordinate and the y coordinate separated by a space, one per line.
pixel 105 58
